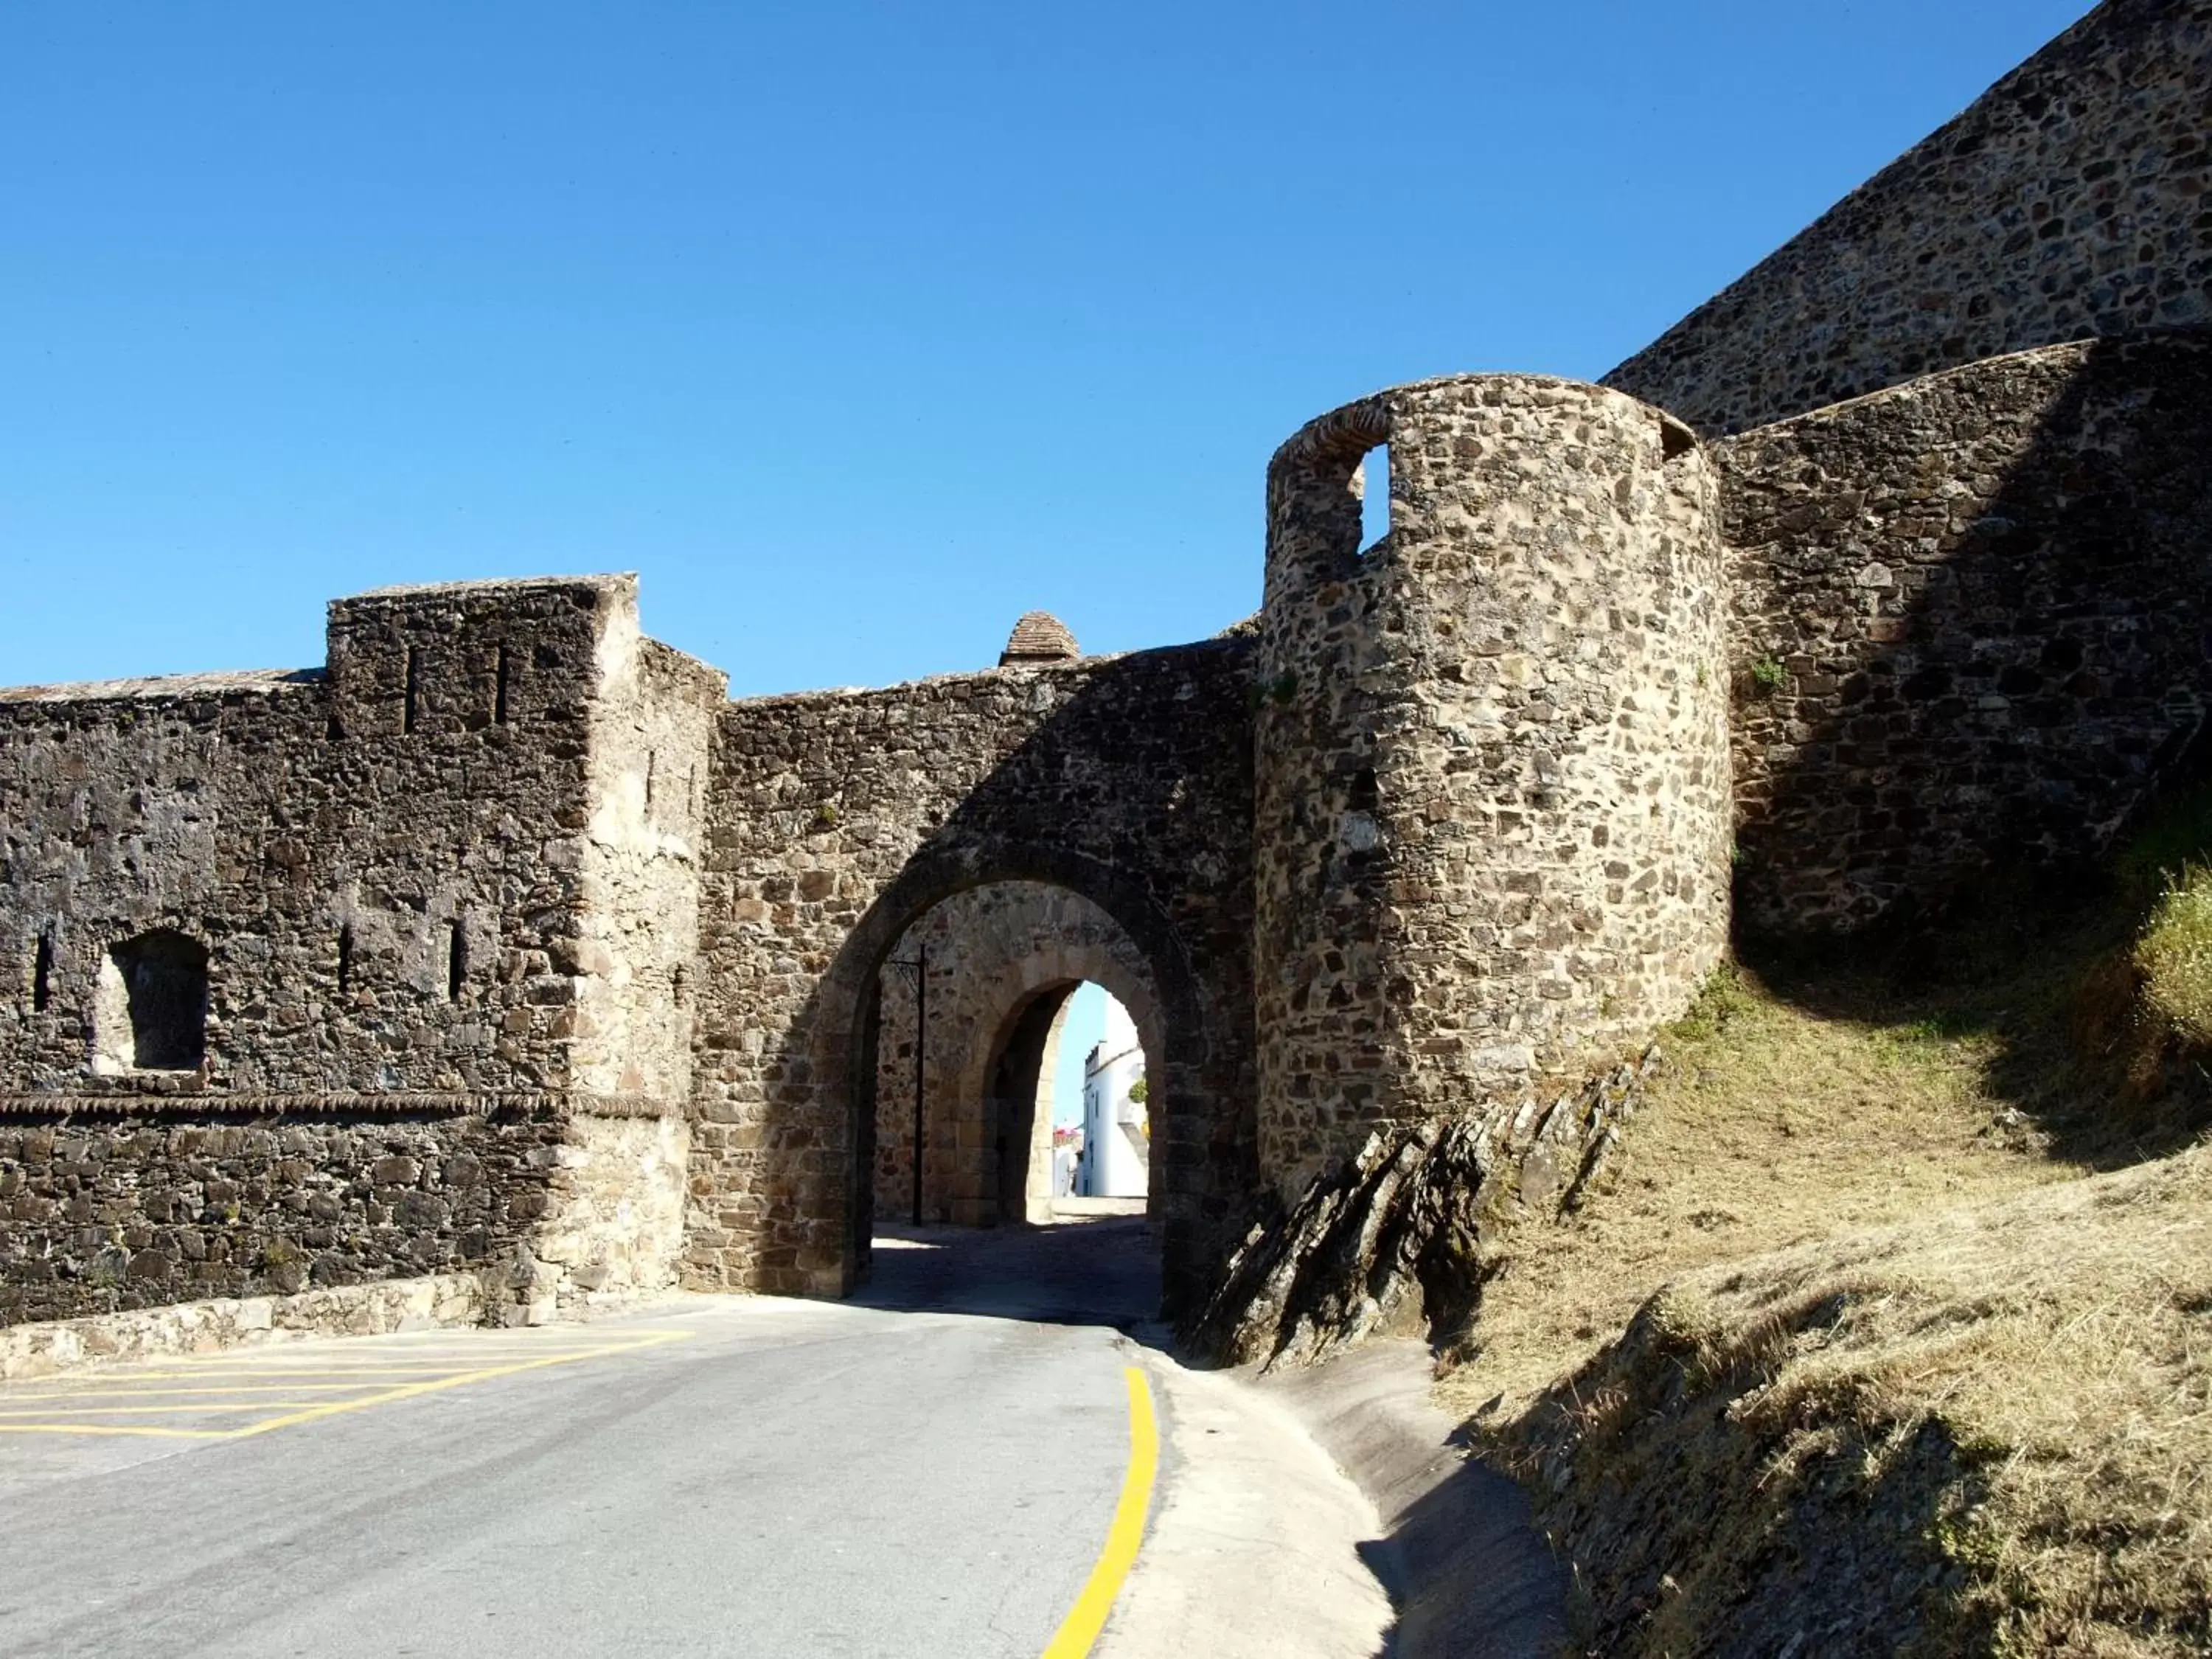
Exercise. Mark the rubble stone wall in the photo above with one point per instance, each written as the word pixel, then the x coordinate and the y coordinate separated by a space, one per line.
pixel 328 848
pixel 1493 811
pixel 430 916
pixel 641 845
pixel 106 1212
pixel 2068 201
pixel 1969 622
pixel 838 819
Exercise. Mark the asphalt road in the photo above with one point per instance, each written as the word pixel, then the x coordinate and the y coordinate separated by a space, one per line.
pixel 885 1478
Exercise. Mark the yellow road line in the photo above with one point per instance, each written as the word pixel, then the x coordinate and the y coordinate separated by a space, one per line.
pixel 332 1407
pixel 431 1368
pixel 1087 1616
pixel 259 1356
pixel 9 1400
pixel 409 1391
pixel 116 1428
pixel 7 1417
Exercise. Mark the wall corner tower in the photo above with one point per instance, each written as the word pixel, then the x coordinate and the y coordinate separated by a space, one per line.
pixel 1492 810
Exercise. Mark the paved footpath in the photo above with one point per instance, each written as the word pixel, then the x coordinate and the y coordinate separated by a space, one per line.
pixel 932 1469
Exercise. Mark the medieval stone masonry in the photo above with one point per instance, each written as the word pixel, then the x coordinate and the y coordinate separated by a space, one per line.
pixel 504 943
pixel 2069 202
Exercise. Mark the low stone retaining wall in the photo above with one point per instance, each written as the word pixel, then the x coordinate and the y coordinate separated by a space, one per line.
pixel 107 1209
pixel 106 1213
pixel 397 1305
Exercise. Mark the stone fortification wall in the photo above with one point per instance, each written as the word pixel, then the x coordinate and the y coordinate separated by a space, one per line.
pixel 379 882
pixel 107 1211
pixel 382 893
pixel 2068 201
pixel 639 869
pixel 838 819
pixel 1003 958
pixel 1492 821
pixel 1969 621
pixel 112 1210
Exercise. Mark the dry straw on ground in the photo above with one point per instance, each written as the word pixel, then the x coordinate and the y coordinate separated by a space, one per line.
pixel 1856 1355
pixel 1988 1431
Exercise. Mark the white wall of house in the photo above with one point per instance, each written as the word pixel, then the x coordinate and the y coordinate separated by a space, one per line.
pixel 1116 1152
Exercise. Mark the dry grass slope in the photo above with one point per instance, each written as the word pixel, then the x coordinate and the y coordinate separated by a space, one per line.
pixel 1859 1353
pixel 1772 1126
pixel 1988 1431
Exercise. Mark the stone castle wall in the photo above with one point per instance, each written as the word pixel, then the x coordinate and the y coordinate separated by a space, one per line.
pixel 638 870
pixel 111 1210
pixel 839 818
pixel 1492 826
pixel 509 946
pixel 2068 202
pixel 1969 622
pixel 392 868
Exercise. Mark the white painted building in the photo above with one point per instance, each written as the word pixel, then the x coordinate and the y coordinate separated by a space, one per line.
pixel 1066 1159
pixel 1116 1144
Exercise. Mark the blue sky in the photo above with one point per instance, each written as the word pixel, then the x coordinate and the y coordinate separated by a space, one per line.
pixel 856 329
pixel 1086 1024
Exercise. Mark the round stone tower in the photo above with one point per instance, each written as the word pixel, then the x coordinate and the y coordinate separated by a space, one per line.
pixel 1493 817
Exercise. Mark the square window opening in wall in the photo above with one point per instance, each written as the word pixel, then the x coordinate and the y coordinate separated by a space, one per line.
pixel 1371 481
pixel 150 1012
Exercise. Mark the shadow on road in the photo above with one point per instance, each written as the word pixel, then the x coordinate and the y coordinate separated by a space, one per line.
pixel 1089 1271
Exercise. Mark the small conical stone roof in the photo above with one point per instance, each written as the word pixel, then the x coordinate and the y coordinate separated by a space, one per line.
pixel 1039 636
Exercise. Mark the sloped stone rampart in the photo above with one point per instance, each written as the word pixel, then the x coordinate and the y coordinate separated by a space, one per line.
pixel 2068 201
pixel 1399 1239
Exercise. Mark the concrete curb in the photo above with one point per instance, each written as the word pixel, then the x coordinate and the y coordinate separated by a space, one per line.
pixel 1469 1574
pixel 1258 1549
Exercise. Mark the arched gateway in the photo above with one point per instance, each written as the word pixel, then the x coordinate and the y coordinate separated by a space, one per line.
pixel 974 998
pixel 1107 801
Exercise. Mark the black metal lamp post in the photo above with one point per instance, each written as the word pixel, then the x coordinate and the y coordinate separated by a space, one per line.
pixel 919 968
